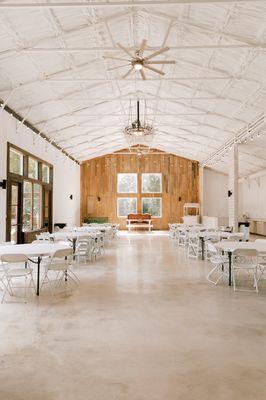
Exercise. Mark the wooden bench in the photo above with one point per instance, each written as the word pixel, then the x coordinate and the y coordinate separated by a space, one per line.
pixel 139 221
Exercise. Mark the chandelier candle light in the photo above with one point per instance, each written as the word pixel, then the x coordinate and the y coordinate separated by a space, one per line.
pixel 137 132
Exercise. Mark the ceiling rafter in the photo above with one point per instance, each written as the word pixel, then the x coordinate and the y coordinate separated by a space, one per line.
pixel 193 113
pixel 243 40
pixel 111 3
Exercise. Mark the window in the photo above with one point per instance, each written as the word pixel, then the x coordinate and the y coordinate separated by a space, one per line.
pixel 127 183
pixel 34 205
pixel 33 168
pixel 152 205
pixel 126 205
pixel 15 162
pixel 151 183
pixel 45 173
pixel 27 206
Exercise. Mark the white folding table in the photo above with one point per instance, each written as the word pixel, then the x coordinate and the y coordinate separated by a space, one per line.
pixel 216 234
pixel 33 251
pixel 72 236
pixel 229 247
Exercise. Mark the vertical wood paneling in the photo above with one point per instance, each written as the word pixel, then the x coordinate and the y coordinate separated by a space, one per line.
pixel 180 184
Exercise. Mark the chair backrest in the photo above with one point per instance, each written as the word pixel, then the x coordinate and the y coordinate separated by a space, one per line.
pixel 260 241
pixel 211 248
pixel 63 253
pixel 245 253
pixel 234 238
pixel 13 258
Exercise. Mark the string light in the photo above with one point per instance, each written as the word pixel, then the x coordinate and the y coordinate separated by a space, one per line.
pixel 248 133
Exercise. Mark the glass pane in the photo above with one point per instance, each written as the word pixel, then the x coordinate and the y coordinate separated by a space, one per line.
pixel 126 206
pixel 14 195
pixel 14 234
pixel 152 205
pixel 127 183
pixel 151 183
pixel 27 206
pixel 37 206
pixel 16 162
pixel 14 215
pixel 45 173
pixel 33 168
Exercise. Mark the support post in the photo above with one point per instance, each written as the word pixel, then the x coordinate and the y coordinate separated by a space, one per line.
pixel 233 188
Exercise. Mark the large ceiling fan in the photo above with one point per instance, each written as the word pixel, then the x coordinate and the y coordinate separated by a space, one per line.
pixel 138 62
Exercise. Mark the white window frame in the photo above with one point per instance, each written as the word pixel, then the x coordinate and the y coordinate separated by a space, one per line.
pixel 117 207
pixel 161 207
pixel 127 173
pixel 152 173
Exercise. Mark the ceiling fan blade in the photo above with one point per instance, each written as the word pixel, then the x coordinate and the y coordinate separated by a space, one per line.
pixel 120 66
pixel 156 53
pixel 125 50
pixel 142 74
pixel 143 46
pixel 114 58
pixel 154 70
pixel 131 69
pixel 160 62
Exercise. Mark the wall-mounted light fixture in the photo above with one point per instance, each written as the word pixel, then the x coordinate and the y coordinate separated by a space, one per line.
pixel 71 197
pixel 3 184
pixel 230 193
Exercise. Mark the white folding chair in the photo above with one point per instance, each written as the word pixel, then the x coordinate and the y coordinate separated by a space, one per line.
pixel 220 264
pixel 16 266
pixel 84 249
pixel 60 265
pixel 43 237
pixel 261 259
pixel 172 230
pixel 99 244
pixel 245 260
pixel 193 245
pixel 182 237
pixel 210 238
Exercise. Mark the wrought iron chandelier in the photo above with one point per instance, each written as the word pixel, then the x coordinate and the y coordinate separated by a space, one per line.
pixel 137 132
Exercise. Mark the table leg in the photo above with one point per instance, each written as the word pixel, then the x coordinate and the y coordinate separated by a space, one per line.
pixel 74 244
pixel 202 247
pixel 230 268
pixel 38 275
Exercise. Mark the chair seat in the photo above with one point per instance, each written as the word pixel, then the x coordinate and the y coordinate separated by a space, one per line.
pixel 18 272
pixel 59 267
pixel 244 266
pixel 219 259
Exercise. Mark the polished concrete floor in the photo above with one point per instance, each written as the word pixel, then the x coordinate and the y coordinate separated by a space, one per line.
pixel 143 325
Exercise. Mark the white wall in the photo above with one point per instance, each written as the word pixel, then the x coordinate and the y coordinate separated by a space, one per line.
pixel 214 193
pixel 66 172
pixel 252 195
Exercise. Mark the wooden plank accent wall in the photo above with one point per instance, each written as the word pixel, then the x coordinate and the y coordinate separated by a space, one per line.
pixel 180 184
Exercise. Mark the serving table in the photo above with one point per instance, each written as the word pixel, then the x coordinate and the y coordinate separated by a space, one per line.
pixel 33 251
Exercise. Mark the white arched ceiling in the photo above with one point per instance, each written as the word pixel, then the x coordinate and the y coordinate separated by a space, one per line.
pixel 53 73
